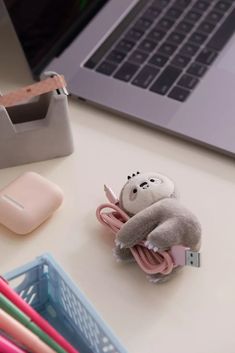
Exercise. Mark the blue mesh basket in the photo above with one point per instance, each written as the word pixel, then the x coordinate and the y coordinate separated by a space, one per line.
pixel 50 291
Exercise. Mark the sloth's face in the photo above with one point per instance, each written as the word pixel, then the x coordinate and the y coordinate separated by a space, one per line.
pixel 145 189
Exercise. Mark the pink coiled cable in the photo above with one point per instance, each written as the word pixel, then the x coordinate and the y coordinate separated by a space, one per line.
pixel 149 261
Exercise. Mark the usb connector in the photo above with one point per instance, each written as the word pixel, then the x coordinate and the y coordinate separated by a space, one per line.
pixel 193 258
pixel 183 256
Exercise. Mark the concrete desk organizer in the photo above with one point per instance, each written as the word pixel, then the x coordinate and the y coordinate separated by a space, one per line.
pixel 35 129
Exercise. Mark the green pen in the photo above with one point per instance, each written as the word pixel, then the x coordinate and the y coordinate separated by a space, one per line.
pixel 17 314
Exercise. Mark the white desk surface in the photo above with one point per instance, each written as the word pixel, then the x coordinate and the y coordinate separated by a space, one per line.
pixel 193 313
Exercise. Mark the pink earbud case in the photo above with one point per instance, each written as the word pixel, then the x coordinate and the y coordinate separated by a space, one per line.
pixel 28 201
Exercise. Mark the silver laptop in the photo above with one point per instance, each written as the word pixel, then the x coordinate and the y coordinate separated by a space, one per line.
pixel 166 63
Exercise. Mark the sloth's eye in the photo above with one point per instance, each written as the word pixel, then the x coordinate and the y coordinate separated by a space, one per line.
pixel 152 180
pixel 134 191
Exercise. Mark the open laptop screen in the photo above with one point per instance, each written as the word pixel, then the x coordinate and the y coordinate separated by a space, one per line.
pixel 46 27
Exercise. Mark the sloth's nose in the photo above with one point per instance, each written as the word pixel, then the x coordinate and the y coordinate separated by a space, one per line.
pixel 143 184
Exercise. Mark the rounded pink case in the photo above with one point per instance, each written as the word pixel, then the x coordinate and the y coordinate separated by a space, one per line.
pixel 28 201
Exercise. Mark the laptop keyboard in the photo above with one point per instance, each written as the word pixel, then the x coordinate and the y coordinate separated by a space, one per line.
pixel 166 46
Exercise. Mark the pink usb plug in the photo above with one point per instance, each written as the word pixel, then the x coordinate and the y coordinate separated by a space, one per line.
pixel 110 195
pixel 183 256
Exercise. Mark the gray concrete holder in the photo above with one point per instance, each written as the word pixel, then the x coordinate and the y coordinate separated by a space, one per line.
pixel 35 131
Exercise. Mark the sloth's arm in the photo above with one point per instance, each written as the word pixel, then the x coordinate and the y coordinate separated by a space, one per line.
pixel 139 226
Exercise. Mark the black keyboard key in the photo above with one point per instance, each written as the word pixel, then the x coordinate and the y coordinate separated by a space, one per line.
pixel 197 38
pixel 167 49
pixel 176 38
pixel 158 60
pixel 138 57
pixel 206 27
pixel 223 6
pixel 189 49
pixel 106 68
pixel 126 72
pixel 165 23
pixel 143 23
pixel 182 4
pixel 116 56
pixel 160 4
pixel 90 64
pixel 125 45
pixel 115 35
pixel 156 34
pixel 184 27
pixel 193 16
pixel 134 34
pixel 201 5
pixel 180 61
pixel 152 13
pixel 145 77
pixel 165 80
pixel 207 56
pixel 174 13
pixel 147 45
pixel 188 81
pixel 197 69
pixel 214 17
pixel 180 94
pixel 223 34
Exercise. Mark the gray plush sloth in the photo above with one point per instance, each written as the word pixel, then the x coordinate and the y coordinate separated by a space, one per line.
pixel 157 217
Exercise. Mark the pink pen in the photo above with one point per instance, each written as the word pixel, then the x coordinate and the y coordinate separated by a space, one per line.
pixel 23 335
pixel 6 290
pixel 8 347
